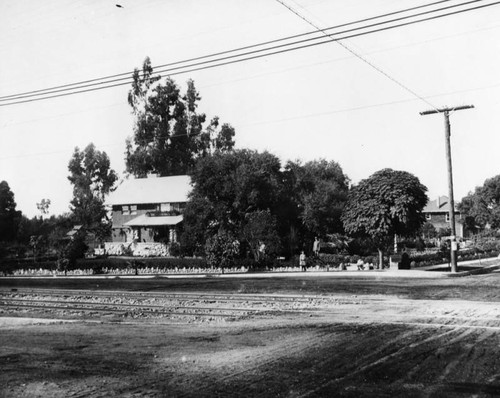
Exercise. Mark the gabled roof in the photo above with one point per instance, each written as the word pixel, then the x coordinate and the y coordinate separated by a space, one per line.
pixel 135 191
pixel 439 205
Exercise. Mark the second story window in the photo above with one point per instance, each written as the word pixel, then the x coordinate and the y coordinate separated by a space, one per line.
pixel 447 217
pixel 428 217
pixel 129 210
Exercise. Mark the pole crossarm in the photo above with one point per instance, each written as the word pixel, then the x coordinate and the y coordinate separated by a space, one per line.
pixel 443 110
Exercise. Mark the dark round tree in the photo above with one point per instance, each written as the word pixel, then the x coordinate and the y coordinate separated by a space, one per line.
pixel 388 203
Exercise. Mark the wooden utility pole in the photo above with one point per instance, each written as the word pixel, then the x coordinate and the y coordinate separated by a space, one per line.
pixel 447 133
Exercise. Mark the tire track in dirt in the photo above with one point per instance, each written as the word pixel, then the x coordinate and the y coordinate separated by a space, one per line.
pixel 371 361
pixel 264 356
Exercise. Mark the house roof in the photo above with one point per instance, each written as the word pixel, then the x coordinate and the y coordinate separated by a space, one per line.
pixel 171 189
pixel 145 221
pixel 439 205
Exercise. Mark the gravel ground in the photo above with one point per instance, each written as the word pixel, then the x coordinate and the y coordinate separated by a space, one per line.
pixel 364 338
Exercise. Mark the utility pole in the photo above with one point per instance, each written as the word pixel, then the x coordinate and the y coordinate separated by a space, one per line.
pixel 447 133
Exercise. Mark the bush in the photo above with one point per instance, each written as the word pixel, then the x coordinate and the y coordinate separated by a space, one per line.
pixel 175 249
pixel 427 259
pixel 334 259
pixel 368 260
pixel 222 249
pixel 354 259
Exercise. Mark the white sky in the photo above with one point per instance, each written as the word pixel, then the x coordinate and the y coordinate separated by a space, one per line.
pixel 320 102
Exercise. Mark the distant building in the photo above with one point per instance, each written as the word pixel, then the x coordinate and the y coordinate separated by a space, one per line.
pixel 437 213
pixel 149 209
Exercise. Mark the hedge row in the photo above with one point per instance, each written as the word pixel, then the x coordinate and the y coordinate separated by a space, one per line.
pixel 128 265
pixel 425 260
pixel 98 264
pixel 337 259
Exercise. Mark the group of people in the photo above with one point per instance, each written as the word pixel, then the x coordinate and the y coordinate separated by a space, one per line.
pixel 361 265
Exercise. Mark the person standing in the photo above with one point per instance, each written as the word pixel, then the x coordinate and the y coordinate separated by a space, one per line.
pixel 316 247
pixel 302 261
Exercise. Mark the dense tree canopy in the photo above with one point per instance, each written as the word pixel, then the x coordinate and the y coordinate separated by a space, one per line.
pixel 169 133
pixel 481 208
pixel 9 216
pixel 249 194
pixel 260 233
pixel 92 179
pixel 320 191
pixel 226 188
pixel 387 203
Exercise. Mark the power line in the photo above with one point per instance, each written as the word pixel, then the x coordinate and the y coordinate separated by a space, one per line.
pixel 46 92
pixel 267 122
pixel 231 60
pixel 281 70
pixel 127 74
pixel 371 64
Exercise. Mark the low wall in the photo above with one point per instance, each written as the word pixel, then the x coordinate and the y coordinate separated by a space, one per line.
pixel 139 249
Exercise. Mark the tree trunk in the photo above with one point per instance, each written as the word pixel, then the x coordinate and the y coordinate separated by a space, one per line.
pixel 380 259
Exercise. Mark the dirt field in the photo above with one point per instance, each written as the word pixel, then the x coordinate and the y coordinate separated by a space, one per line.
pixel 379 337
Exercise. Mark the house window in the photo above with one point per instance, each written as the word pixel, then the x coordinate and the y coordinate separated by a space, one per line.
pixel 129 210
pixel 428 217
pixel 164 207
pixel 178 206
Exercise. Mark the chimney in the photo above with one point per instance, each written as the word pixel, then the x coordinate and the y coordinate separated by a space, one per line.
pixel 439 202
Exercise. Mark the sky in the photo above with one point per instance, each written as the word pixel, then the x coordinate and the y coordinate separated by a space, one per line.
pixel 357 103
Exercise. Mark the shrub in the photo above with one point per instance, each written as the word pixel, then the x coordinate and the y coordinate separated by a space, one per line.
pixel 175 249
pixel 222 249
pixel 334 259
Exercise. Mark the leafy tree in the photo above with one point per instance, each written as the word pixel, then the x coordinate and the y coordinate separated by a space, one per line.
pixel 92 179
pixel 43 207
pixel 226 188
pixel 481 208
pixel 429 231
pixel 9 216
pixel 169 134
pixel 387 203
pixel 319 190
pixel 37 242
pixel 55 226
pixel 260 232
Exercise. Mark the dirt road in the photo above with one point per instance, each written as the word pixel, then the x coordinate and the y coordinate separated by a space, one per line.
pixel 366 344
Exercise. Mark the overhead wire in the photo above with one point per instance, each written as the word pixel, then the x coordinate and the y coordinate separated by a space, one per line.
pixel 356 54
pixel 274 121
pixel 282 48
pixel 281 70
pixel 127 74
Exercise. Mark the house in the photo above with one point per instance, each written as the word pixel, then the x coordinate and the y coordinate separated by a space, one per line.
pixel 148 210
pixel 437 213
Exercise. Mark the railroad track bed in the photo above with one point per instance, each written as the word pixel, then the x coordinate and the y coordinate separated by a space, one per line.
pixel 190 307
